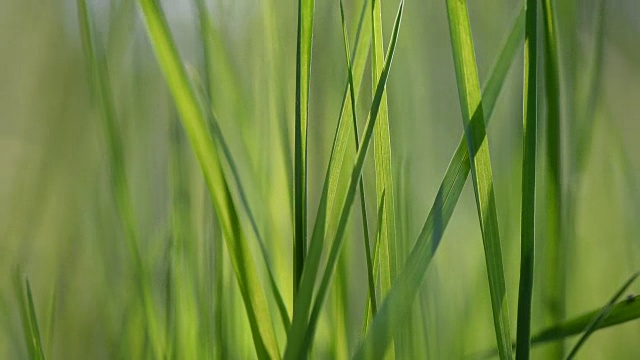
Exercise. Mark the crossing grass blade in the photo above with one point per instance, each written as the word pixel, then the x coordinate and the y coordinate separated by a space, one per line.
pixel 302 329
pixel 382 151
pixel 28 317
pixel 527 224
pixel 600 317
pixel 101 92
pixel 613 313
pixel 223 148
pixel 363 203
pixel 394 309
pixel 481 174
pixel 303 302
pixel 194 120
pixel 303 71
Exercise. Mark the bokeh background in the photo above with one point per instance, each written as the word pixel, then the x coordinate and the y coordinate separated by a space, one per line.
pixel 59 225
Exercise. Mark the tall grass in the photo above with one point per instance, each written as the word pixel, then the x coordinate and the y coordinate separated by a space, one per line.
pixel 217 194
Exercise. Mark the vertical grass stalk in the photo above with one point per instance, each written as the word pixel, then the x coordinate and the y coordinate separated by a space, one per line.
pixel 527 224
pixel 303 71
pixel 481 173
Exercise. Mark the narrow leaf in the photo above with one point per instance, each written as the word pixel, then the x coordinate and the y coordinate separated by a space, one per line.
pixel 478 145
pixel 303 70
pixel 296 344
pixel 527 224
pixel 601 316
pixel 395 308
pixel 193 119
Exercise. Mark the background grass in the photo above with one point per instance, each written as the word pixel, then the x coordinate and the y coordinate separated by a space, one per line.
pixel 61 218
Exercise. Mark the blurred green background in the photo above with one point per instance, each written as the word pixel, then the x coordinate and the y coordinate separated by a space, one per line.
pixel 59 224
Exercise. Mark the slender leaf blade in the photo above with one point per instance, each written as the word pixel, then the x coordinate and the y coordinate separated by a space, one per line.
pixel 395 307
pixel 527 224
pixel 193 119
pixel 302 331
pixel 481 173
pixel 303 71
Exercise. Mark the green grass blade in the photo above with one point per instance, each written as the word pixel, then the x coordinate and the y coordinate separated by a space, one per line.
pixel 554 293
pixel 101 91
pixel 303 302
pixel 382 151
pixel 527 224
pixel 394 309
pixel 302 331
pixel 622 312
pixel 194 120
pixel 478 145
pixel 29 318
pixel 601 316
pixel 363 203
pixel 369 310
pixel 223 147
pixel 303 71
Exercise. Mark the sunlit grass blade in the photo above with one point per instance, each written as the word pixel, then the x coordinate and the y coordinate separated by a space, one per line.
pixel 303 302
pixel 303 71
pixel 370 311
pixel 394 309
pixel 382 151
pixel 481 173
pixel 601 316
pixel 363 203
pixel 28 317
pixel 222 147
pixel 101 92
pixel 302 329
pixel 194 120
pixel 553 294
pixel 527 223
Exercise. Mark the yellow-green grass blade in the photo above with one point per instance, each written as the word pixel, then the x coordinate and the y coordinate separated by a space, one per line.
pixel 303 302
pixel 554 293
pixel 382 151
pixel 481 173
pixel 194 120
pixel 527 221
pixel 302 331
pixel 101 92
pixel 395 307
pixel 363 203
pixel 303 72
pixel 368 316
pixel 28 317
pixel 601 316
pixel 222 147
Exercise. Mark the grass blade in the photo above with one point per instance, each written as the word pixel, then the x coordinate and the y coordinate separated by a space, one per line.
pixel 363 203
pixel 303 70
pixel 478 145
pixel 601 316
pixel 527 225
pixel 301 333
pixel 610 315
pixel 303 302
pixel 29 318
pixel 382 151
pixel 194 121
pixel 395 307
pixel 554 293
pixel 223 147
